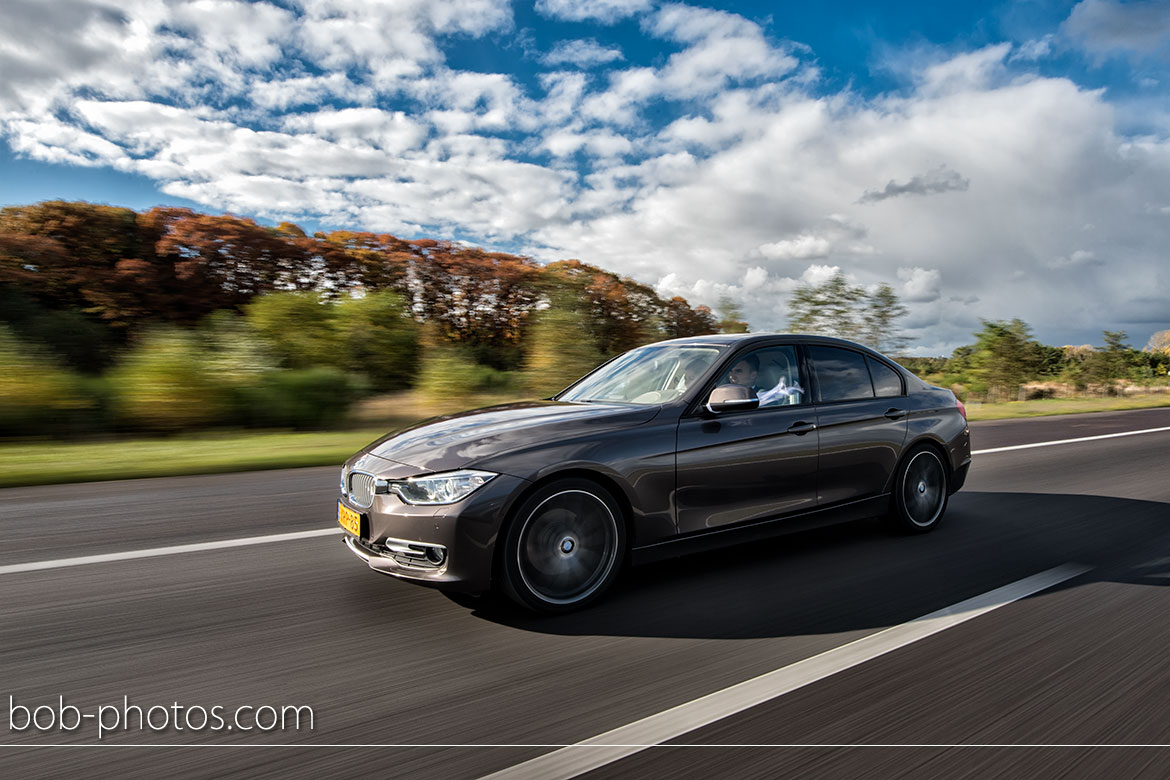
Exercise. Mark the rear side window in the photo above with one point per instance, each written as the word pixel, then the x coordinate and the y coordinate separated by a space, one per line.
pixel 886 381
pixel 841 374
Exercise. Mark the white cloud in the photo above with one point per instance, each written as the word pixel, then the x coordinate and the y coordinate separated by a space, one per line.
pixel 920 285
pixel 1036 49
pixel 1106 26
pixel 583 53
pixel 603 11
pixel 601 143
pixel 721 48
pixel 802 247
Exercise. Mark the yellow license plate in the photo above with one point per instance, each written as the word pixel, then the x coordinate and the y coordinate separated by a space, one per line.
pixel 349 519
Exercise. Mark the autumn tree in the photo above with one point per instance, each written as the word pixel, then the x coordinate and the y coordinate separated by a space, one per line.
pixel 77 255
pixel 680 320
pixel 475 297
pixel 621 313
pixel 226 261
pixel 344 260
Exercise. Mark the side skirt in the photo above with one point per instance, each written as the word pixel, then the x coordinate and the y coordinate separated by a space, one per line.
pixel 725 537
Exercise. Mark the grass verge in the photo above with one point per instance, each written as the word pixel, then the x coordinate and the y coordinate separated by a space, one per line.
pixel 1047 406
pixel 49 462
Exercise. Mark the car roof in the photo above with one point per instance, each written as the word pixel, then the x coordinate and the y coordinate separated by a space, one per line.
pixel 724 339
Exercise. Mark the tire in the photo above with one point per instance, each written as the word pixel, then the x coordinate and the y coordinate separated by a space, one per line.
pixel 563 547
pixel 920 492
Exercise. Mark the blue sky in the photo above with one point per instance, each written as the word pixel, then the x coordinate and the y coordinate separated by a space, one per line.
pixel 988 160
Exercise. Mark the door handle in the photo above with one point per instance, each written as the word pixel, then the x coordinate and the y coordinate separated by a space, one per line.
pixel 895 414
pixel 801 428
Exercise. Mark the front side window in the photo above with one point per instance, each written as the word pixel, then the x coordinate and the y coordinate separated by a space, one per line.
pixel 841 374
pixel 772 374
pixel 648 375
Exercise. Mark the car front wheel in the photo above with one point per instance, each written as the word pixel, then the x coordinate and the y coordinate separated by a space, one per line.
pixel 564 546
pixel 920 492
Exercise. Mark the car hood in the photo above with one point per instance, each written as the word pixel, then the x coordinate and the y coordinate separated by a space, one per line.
pixel 465 439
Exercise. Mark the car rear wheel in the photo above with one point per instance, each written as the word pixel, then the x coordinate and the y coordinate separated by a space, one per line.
pixel 564 546
pixel 920 492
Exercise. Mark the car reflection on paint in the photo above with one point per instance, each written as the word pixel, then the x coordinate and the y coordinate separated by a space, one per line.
pixel 668 449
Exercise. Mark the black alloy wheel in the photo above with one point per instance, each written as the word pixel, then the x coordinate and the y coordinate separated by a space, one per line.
pixel 920 492
pixel 563 547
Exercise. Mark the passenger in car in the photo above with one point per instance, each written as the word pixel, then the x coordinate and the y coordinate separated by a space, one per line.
pixel 691 373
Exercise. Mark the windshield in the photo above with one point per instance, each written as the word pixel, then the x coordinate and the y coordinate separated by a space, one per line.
pixel 649 375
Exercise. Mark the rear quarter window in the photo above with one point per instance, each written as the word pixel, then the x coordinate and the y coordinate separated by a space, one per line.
pixel 886 381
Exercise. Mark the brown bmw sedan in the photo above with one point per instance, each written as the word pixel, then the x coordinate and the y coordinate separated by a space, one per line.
pixel 667 449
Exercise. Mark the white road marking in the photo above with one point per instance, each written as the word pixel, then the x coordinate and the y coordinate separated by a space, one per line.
pixel 574 760
pixel 1068 441
pixel 154 552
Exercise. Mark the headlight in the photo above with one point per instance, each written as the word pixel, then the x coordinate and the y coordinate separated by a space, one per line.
pixel 439 488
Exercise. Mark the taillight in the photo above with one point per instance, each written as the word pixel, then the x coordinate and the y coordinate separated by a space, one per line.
pixel 962 409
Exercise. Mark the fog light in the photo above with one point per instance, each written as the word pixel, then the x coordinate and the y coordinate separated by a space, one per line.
pixel 436 555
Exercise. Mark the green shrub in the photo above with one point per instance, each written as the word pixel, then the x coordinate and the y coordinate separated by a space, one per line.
pixel 374 334
pixel 560 351
pixel 377 337
pixel 450 371
pixel 310 398
pixel 36 397
pixel 298 328
pixel 166 383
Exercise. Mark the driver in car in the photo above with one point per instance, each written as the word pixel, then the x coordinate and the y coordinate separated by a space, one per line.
pixel 745 372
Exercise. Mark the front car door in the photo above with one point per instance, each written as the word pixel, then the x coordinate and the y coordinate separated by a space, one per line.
pixel 861 416
pixel 751 465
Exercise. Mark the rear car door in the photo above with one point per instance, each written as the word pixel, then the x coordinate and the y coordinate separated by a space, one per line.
pixel 756 464
pixel 862 429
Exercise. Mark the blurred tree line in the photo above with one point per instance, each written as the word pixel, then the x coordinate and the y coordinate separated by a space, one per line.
pixel 837 308
pixel 1004 358
pixel 169 319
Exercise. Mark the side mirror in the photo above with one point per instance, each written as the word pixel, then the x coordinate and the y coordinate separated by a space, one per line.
pixel 730 398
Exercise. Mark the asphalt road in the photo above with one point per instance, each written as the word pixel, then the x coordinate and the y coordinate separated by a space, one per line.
pixel 383 663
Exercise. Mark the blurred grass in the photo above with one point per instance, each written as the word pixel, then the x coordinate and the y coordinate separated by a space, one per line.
pixel 49 462
pixel 1048 406
pixel 42 462
pixel 46 462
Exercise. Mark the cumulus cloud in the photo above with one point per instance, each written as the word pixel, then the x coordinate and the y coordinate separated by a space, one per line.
pixel 1106 26
pixel 603 11
pixel 802 247
pixel 920 285
pixel 583 53
pixel 940 179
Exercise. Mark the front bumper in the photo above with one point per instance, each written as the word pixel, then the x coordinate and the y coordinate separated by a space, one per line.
pixel 449 547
